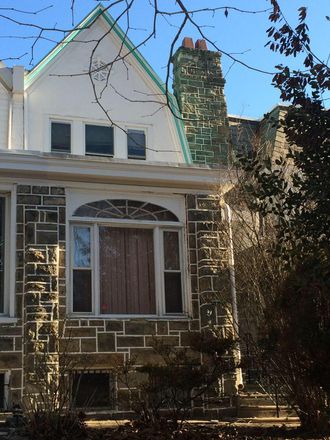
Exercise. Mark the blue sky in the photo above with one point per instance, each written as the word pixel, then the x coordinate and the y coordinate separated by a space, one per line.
pixel 248 93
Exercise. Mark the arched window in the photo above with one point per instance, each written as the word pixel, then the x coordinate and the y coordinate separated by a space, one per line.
pixel 125 209
pixel 126 259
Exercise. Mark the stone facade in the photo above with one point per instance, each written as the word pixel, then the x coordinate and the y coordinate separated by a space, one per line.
pixel 96 343
pixel 199 88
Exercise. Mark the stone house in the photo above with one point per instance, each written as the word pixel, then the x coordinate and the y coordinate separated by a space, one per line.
pixel 107 220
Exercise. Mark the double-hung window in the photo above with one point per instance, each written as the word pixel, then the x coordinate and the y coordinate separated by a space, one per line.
pixel 126 260
pixel 136 144
pixel 60 137
pixel 99 140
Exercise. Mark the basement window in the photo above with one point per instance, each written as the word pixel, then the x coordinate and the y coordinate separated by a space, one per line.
pixel 93 389
pixel 2 391
pixel 4 388
pixel 99 140
pixel 61 137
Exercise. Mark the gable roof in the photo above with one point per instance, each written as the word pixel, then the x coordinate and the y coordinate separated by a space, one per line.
pixel 100 11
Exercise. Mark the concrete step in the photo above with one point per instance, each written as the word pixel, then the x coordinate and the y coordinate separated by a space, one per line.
pixel 5 415
pixel 255 399
pixel 252 388
pixel 268 421
pixel 257 411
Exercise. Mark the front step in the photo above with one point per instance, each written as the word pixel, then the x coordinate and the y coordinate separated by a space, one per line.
pixel 289 422
pixel 259 405
pixel 262 411
pixel 258 399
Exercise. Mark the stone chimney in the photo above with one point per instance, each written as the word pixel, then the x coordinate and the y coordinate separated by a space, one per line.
pixel 199 89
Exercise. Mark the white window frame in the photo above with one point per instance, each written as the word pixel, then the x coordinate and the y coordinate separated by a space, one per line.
pixel 99 124
pixel 60 121
pixel 158 227
pixel 9 193
pixel 138 128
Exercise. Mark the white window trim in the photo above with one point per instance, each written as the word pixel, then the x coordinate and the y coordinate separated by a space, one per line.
pixel 60 121
pixel 140 128
pixel 99 124
pixel 158 228
pixel 9 192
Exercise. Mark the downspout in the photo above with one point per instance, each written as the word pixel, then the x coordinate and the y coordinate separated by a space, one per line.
pixel 231 264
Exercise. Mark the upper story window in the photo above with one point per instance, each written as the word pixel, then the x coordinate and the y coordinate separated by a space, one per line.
pixel 99 140
pixel 126 259
pixel 2 251
pixel 136 144
pixel 61 137
pixel 90 139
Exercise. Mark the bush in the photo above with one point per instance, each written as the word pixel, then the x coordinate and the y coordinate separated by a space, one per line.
pixel 51 426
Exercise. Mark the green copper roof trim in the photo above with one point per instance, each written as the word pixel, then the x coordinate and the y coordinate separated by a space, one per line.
pixel 60 46
pixel 100 10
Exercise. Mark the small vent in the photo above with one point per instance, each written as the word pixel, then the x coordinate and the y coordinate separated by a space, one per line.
pixel 99 70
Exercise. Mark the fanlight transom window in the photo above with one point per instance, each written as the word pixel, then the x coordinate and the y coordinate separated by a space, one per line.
pixel 125 209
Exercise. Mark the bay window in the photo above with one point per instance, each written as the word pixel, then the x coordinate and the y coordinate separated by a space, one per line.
pixel 126 259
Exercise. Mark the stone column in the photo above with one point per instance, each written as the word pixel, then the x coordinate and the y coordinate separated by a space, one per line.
pixel 209 268
pixel 43 213
pixel 41 312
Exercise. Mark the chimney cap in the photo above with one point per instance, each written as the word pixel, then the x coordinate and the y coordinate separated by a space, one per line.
pixel 201 44
pixel 188 43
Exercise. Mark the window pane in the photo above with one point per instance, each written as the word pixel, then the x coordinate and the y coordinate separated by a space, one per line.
pixel 171 250
pixel 2 252
pixel 82 290
pixel 92 390
pixel 127 275
pixel 136 144
pixel 61 137
pixel 82 246
pixel 173 293
pixel 99 140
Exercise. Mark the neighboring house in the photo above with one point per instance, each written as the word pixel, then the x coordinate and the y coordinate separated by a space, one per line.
pixel 108 226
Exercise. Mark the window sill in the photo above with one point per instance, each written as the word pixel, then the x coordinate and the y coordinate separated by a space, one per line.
pixel 136 158
pixel 99 155
pixel 130 317
pixel 7 320
pixel 61 151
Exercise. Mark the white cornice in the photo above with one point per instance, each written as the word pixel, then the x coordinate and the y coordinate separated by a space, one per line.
pixel 43 166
